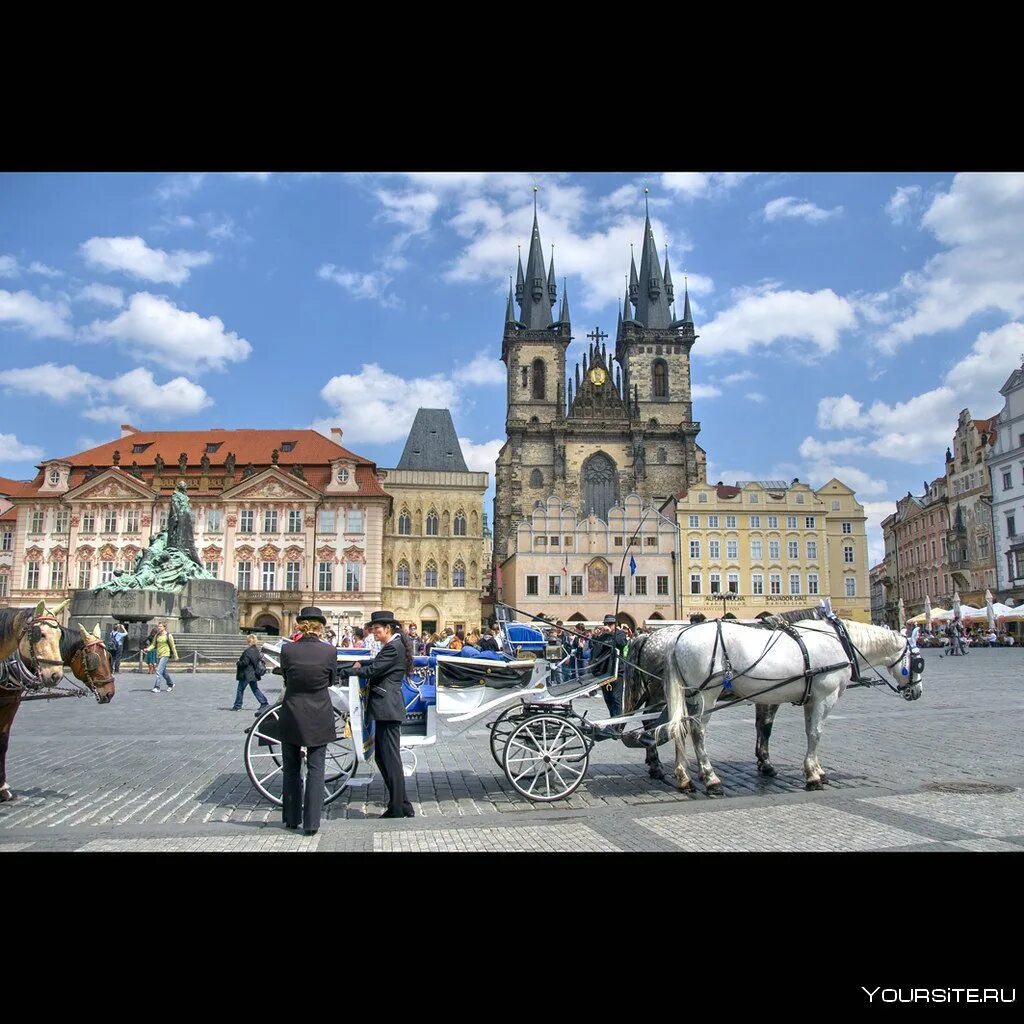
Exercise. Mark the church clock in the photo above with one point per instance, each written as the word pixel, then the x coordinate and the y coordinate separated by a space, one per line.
pixel 597 376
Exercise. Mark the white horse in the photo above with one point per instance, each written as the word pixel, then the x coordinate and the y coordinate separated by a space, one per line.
pixel 803 662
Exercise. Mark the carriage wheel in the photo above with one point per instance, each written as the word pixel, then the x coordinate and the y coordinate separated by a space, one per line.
pixel 546 758
pixel 264 765
pixel 501 729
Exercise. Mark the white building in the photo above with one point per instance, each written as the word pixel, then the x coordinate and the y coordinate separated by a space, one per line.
pixel 1006 464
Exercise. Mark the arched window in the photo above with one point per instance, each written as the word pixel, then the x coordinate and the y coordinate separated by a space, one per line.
pixel 659 378
pixel 538 378
pixel 405 522
pixel 431 524
pixel 402 576
pixel 459 575
pixel 600 485
pixel 536 478
pixel 430 575
pixel 459 525
pixel 662 456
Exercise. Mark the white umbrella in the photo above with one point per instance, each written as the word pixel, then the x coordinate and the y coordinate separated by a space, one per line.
pixel 956 605
pixel 902 613
pixel 928 612
pixel 990 611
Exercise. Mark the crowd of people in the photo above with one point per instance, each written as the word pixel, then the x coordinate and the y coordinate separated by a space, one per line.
pixel 959 637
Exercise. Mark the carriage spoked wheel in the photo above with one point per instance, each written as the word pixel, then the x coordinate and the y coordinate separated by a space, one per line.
pixel 264 764
pixel 501 729
pixel 546 758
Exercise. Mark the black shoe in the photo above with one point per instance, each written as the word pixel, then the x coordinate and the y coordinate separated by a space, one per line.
pixel 236 709
pixel 291 826
pixel 310 831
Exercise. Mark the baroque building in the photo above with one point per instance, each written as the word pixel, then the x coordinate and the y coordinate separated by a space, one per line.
pixel 434 539
pixel 289 516
pixel 622 423
pixel 1006 465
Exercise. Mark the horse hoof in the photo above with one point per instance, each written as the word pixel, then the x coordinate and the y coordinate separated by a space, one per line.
pixel 656 773
pixel 823 779
pixel 689 789
pixel 814 785
pixel 715 789
pixel 767 769
pixel 5 796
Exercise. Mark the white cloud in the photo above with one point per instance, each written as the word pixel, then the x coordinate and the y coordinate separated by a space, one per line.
pixel 818 473
pixel 812 448
pixel 12 450
pixel 980 220
pixel 902 203
pixel 480 458
pixel 260 176
pixel 755 396
pixel 152 327
pixel 800 209
pixel 766 317
pixel 701 185
pixel 9 266
pixel 133 257
pixel 179 186
pixel 836 413
pixel 223 231
pixel 735 378
pixel 35 267
pixel 136 390
pixel 704 391
pixel 105 294
pixel 482 369
pixel 23 311
pixel 876 511
pixel 373 285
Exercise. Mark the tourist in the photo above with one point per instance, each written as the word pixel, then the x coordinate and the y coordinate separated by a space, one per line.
pixel 150 651
pixel 248 671
pixel 163 645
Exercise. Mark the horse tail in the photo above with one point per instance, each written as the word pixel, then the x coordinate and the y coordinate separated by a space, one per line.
pixel 678 726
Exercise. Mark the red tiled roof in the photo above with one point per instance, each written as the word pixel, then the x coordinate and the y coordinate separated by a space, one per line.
pixel 987 426
pixel 9 515
pixel 726 491
pixel 20 488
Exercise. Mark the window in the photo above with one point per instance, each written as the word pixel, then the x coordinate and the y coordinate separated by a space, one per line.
pixel 640 586
pixel 402 576
pixel 536 478
pixel 812 550
pixel 851 586
pixel 734 582
pixel 353 577
pixel 38 523
pixel 163 519
pixel 567 541
pixel 694 522
pixel 576 586
pixel 982 546
pixel 553 541
pixel 8 541
pixel 794 550
pixel 538 378
pixel 848 553
pixel 89 521
pixel 131 520
pixel 847 527
pixel 799 499
pixel 715 581
pixel 650 542
pixel 773 522
pixel 540 542
pixel 84 575
pixel 60 522
pixel 835 506
pixel 354 521
pixel 106 571
pixel 245 519
pixel 702 498
pixel 213 568
pixel 244 576
pixel 775 583
pixel 790 522
pixel 531 581
pixel 525 384
pixel 756 583
pixel 56 575
pixel 756 552
pixel 659 379
pixel 695 581
pixel 713 522
pixel 405 523
pixel 459 525
pixel 431 524
pixel 714 549
pixel 774 547
pixel 326 524
pixel 662 586
pixel 32 575
pixel 138 449
pixel 286 446
pixel 270 575
pixel 755 522
pixel 732 549
pixel 619 585
pixel 458 575
pixel 325 576
pixel 730 522
pixel 933 549
pixel 753 499
pixel 794 583
pixel 110 521
pixel 554 586
pixel 1007 481
pixel 3 584
pixel 695 549
pixel 1011 530
pixel 295 520
pixel 809 522
pixel 430 575
pixel 269 525
pixel 812 583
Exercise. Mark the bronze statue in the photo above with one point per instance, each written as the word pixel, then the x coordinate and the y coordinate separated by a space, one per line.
pixel 229 463
pixel 117 457
pixel 274 456
pixel 159 463
pixel 182 462
pixel 204 462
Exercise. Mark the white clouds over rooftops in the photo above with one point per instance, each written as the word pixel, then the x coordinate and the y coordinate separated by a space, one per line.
pixel 133 257
pixel 483 369
pixel 12 450
pixel 700 184
pixel 153 328
pixel 480 458
pixel 23 311
pixel 798 209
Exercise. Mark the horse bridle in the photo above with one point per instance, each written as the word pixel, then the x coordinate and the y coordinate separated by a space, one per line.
pixel 34 629
pixel 87 672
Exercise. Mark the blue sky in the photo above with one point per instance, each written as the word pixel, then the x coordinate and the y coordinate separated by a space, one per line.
pixel 844 319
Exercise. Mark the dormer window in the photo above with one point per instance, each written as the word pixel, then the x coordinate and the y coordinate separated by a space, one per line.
pixel 138 449
pixel 288 446
pixel 343 475
pixel 54 477
pixel 212 446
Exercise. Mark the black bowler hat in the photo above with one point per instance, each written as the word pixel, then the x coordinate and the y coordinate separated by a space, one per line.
pixel 311 613
pixel 609 620
pixel 383 619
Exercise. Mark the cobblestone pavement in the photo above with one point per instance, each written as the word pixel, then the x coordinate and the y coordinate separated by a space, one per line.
pixel 164 773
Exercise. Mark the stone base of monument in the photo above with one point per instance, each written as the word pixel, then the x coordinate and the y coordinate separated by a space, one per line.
pixel 201 606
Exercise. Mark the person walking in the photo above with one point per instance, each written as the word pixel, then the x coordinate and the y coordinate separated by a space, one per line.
pixel 150 655
pixel 248 671
pixel 387 706
pixel 115 645
pixel 163 645
pixel 309 666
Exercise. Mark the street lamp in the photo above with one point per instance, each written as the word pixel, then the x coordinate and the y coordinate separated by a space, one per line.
pixel 727 596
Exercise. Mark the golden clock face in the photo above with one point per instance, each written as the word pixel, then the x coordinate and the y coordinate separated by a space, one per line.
pixel 597 376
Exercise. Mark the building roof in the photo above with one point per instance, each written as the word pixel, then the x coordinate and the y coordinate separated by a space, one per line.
pixel 18 488
pixel 432 443
pixel 988 427
pixel 10 515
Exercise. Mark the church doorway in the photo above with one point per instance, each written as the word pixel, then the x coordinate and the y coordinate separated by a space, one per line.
pixel 267 623
pixel 600 485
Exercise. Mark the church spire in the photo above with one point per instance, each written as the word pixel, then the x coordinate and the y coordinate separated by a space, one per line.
pixel 520 283
pixel 510 314
pixel 669 290
pixel 634 283
pixel 552 287
pixel 535 306
pixel 687 318
pixel 652 301
pixel 563 313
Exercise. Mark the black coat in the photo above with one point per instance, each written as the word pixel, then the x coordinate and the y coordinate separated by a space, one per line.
pixel 384 675
pixel 307 716
pixel 247 665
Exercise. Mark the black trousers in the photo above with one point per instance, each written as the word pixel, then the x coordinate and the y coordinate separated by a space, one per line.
pixel 388 755
pixel 298 810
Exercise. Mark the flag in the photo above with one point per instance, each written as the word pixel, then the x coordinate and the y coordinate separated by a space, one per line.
pixel 632 566
pixel 565 564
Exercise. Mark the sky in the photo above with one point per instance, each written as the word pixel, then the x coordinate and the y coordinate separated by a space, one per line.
pixel 843 319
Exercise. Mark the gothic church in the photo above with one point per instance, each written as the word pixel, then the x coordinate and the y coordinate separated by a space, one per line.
pixel 623 422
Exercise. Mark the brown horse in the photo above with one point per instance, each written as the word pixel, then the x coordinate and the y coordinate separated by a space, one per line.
pixel 85 655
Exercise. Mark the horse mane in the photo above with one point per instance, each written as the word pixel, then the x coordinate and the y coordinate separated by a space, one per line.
pixel 8 623
pixel 874 642
pixel 798 615
pixel 71 641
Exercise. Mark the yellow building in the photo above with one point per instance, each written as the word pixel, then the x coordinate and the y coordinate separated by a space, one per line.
pixel 768 546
